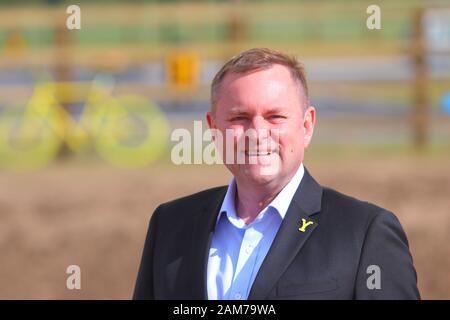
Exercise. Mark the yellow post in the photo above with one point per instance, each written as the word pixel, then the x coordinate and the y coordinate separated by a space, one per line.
pixel 183 68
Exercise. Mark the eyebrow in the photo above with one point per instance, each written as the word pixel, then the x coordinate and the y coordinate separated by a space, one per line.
pixel 239 110
pixel 276 110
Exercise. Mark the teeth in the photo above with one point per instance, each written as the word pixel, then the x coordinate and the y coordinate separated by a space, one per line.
pixel 258 153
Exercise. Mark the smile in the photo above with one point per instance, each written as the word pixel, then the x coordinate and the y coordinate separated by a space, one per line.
pixel 258 154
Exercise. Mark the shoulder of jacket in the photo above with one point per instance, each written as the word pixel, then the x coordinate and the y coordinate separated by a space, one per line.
pixel 192 201
pixel 350 207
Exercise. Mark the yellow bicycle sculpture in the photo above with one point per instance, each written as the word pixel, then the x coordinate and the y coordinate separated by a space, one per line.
pixel 127 131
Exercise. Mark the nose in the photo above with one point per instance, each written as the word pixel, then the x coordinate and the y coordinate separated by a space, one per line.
pixel 259 129
pixel 258 123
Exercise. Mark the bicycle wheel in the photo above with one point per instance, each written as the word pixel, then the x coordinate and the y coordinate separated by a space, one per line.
pixel 133 132
pixel 28 140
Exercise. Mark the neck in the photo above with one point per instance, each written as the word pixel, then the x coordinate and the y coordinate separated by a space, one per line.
pixel 250 199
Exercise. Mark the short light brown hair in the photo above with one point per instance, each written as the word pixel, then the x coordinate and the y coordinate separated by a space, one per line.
pixel 258 59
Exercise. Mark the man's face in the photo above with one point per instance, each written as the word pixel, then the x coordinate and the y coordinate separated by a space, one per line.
pixel 269 106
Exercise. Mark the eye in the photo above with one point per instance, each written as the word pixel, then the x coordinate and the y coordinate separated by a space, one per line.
pixel 277 116
pixel 237 118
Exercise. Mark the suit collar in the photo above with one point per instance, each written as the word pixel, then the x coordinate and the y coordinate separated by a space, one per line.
pixel 309 195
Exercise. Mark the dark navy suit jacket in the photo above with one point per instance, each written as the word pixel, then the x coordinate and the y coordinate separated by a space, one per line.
pixel 332 259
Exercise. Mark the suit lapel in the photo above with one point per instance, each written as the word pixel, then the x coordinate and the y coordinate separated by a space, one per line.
pixel 204 224
pixel 289 239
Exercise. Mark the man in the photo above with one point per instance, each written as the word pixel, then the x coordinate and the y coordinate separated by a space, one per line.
pixel 274 232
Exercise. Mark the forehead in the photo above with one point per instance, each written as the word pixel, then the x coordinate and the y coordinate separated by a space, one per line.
pixel 268 88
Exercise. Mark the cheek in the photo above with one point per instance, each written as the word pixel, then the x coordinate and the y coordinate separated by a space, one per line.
pixel 292 143
pixel 237 132
pixel 230 136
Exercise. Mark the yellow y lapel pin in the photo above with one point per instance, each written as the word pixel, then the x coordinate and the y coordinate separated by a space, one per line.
pixel 304 225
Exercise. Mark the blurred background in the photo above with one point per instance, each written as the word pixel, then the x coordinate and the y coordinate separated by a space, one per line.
pixel 86 116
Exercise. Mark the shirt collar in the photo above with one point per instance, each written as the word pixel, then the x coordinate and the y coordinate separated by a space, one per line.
pixel 280 203
pixel 284 198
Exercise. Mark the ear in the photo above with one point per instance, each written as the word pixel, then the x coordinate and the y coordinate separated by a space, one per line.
pixel 309 121
pixel 210 120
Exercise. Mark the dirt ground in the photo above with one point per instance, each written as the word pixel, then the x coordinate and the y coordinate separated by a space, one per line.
pixel 95 216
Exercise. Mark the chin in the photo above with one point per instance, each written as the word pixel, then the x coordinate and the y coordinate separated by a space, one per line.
pixel 260 174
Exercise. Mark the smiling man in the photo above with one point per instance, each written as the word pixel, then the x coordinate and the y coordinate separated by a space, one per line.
pixel 273 232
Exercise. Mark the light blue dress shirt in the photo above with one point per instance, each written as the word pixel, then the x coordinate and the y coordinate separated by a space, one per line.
pixel 238 250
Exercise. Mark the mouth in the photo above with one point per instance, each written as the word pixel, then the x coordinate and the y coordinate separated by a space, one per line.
pixel 258 153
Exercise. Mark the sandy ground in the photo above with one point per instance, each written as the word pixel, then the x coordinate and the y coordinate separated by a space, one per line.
pixel 95 216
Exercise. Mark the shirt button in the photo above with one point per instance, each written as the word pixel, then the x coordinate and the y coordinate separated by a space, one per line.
pixel 237 296
pixel 248 249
